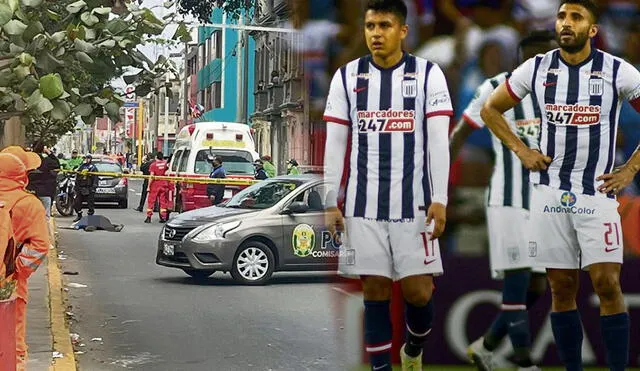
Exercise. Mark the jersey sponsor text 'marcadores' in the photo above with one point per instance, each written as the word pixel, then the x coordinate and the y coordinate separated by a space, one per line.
pixel 510 179
pixel 580 105
pixel 387 110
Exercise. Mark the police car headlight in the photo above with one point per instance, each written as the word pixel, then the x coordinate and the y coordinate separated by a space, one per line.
pixel 215 231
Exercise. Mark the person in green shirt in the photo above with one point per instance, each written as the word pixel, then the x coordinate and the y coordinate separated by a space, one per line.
pixel 74 162
pixel 269 168
pixel 292 167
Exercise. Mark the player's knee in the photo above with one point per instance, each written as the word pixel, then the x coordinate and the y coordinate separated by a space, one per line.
pixel 376 288
pixel 418 298
pixel 607 286
pixel 564 288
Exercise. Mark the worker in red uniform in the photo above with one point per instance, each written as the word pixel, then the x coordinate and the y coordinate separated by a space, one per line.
pixel 30 230
pixel 158 189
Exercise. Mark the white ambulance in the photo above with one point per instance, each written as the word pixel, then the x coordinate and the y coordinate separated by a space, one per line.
pixel 196 144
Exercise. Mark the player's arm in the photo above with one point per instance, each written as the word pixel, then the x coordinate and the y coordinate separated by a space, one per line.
pixel 629 89
pixel 504 98
pixel 338 120
pixel 458 137
pixel 438 112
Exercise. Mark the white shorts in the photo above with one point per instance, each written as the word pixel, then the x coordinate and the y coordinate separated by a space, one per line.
pixel 509 240
pixel 573 231
pixel 389 249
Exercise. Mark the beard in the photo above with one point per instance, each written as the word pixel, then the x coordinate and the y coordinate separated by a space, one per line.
pixel 578 43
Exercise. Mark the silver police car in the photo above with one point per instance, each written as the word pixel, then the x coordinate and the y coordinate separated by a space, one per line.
pixel 274 225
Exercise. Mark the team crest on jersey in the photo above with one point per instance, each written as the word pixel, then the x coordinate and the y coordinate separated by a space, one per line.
pixel 596 86
pixel 411 75
pixel 554 71
pixel 364 76
pixel 409 88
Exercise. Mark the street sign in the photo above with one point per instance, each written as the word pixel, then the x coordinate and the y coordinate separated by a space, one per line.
pixel 131 105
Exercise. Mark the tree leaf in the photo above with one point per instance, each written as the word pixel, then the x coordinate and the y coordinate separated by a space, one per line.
pixel 101 101
pixel 32 31
pixel 21 72
pixel 168 4
pixel 83 109
pixel 15 49
pixel 14 5
pixel 130 79
pixel 58 36
pixel 61 110
pixel 182 33
pixel 26 59
pixel 14 27
pixel 89 19
pixel 116 26
pixel 53 15
pixel 5 14
pixel 6 77
pixel 76 7
pixel 113 109
pixel 84 46
pixel 89 120
pixel 124 43
pixel 39 103
pixel 101 10
pixel 32 3
pixel 51 86
pixel 84 57
pixel 107 44
pixel 28 86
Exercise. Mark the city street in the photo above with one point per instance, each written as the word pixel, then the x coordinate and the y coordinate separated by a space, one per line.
pixel 135 314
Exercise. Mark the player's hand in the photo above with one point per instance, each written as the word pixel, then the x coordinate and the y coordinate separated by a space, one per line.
pixel 617 180
pixel 437 212
pixel 334 220
pixel 533 159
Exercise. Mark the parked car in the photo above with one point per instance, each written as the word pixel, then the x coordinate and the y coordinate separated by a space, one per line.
pixel 274 225
pixel 111 189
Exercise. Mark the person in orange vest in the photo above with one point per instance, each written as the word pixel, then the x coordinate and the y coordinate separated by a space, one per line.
pixel 30 230
pixel 158 189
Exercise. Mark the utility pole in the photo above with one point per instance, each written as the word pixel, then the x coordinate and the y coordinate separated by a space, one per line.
pixel 165 148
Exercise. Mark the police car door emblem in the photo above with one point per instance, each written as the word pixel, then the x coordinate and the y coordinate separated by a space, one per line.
pixel 596 86
pixel 409 88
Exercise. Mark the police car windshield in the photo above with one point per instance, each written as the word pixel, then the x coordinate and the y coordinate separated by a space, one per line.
pixel 262 195
pixel 108 167
pixel 236 162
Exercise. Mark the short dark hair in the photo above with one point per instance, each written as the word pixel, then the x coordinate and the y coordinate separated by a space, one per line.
pixel 537 37
pixel 397 7
pixel 38 146
pixel 590 5
pixel 160 155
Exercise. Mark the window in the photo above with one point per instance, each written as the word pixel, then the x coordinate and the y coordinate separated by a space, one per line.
pixel 313 197
pixel 176 161
pixel 108 167
pixel 262 195
pixel 183 161
pixel 235 162
pixel 216 42
pixel 216 95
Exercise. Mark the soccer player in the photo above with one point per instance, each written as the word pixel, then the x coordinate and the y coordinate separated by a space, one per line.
pixel 574 222
pixel 508 205
pixel 392 110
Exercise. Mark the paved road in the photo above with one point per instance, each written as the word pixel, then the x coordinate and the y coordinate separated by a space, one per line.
pixel 154 318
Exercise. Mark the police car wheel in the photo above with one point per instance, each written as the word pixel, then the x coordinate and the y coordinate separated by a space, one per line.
pixel 198 274
pixel 253 263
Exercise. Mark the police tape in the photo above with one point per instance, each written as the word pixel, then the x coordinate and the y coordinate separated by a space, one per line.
pixel 174 179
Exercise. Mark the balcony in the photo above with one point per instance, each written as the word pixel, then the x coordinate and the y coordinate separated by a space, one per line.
pixel 293 93
pixel 264 13
pixel 261 100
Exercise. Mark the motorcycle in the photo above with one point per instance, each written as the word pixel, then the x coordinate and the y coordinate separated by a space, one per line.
pixel 65 195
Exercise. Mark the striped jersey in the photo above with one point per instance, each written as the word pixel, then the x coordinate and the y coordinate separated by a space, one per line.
pixel 510 180
pixel 580 105
pixel 386 109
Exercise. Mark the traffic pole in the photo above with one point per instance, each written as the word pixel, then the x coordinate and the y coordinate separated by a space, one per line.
pixel 140 130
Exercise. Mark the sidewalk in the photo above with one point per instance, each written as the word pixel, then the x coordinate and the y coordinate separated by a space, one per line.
pixel 39 336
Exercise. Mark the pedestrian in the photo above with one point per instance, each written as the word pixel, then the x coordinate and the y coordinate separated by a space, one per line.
pixel 574 222
pixel 269 168
pixel 158 189
pixel 292 167
pixel 260 173
pixel 85 187
pixel 43 180
pixel 30 233
pixel 508 204
pixel 395 109
pixel 215 192
pixel 145 184
pixel 75 161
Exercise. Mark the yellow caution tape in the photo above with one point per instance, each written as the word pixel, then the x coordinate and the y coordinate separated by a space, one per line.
pixel 226 181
